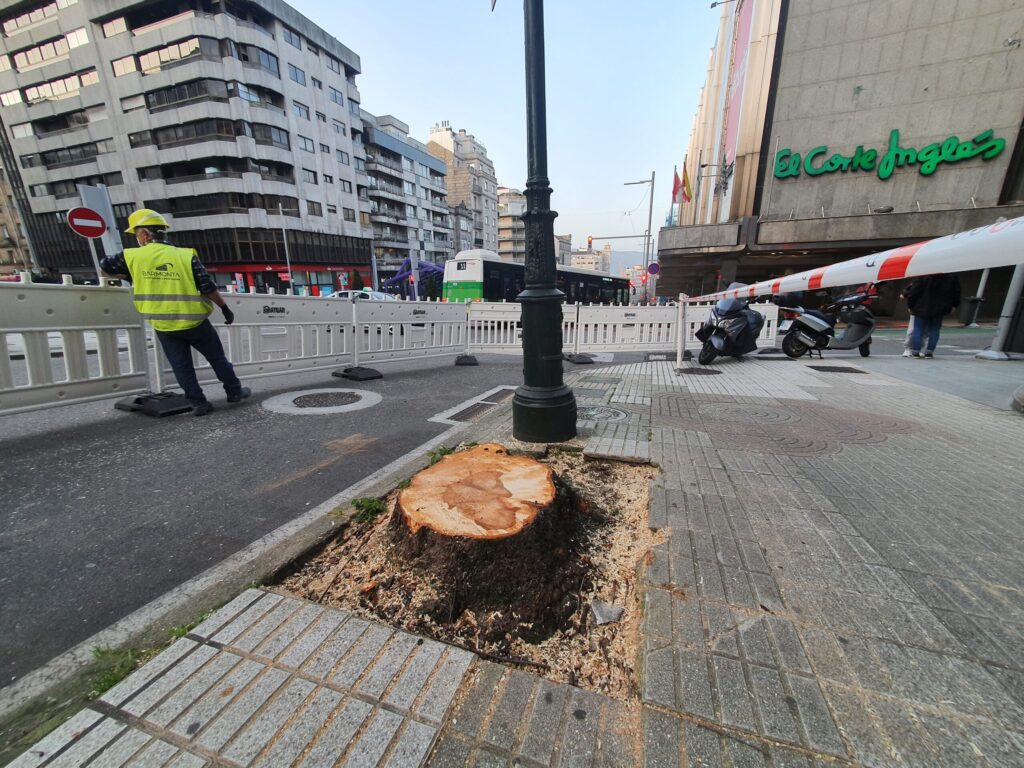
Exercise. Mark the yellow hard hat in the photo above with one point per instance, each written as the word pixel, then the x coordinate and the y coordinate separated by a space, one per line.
pixel 145 217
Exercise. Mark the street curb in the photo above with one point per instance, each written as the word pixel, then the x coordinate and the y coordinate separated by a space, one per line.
pixel 256 562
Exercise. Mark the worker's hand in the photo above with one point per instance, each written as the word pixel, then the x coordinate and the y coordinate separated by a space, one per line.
pixel 229 316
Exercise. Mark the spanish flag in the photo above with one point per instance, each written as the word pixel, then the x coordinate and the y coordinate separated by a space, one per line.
pixel 687 192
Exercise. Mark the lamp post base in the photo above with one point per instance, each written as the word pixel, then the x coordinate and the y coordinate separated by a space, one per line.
pixel 544 414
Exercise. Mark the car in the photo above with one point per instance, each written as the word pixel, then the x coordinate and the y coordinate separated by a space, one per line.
pixel 365 294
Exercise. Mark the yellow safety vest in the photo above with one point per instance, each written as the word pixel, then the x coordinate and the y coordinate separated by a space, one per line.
pixel 165 289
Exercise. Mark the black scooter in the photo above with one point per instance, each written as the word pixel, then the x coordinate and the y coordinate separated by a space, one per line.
pixel 732 329
pixel 811 330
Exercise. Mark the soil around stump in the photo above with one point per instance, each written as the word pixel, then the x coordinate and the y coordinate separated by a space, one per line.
pixel 525 599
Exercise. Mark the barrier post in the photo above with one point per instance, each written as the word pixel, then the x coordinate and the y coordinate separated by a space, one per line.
pixel 356 372
pixel 683 331
pixel 467 357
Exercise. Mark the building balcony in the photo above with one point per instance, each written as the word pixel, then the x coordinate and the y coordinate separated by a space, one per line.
pixel 381 217
pixel 386 194
pixel 391 242
pixel 377 164
pixel 204 177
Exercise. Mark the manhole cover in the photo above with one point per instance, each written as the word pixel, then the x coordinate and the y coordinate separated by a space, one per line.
pixel 600 413
pixel 700 371
pixel 326 399
pixel 316 402
pixel 835 369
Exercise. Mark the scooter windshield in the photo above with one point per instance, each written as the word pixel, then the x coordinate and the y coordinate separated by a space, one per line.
pixel 729 306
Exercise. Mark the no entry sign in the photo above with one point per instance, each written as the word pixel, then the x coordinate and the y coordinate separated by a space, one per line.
pixel 86 222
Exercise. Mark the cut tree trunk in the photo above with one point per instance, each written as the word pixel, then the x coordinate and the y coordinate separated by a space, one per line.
pixel 482 493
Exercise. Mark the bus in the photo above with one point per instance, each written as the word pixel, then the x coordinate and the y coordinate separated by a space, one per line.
pixel 481 275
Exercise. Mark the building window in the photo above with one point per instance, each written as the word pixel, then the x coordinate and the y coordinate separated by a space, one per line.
pixel 364 218
pixel 35 15
pixel 10 97
pixel 342 157
pixel 333 64
pixel 115 27
pixel 360 164
pixel 312 48
pixel 268 134
pixel 336 96
pixel 321 117
pixel 325 149
pixel 306 144
pixel 317 83
pixel 353 107
pixel 124 66
pixel 346 186
pixel 22 130
pixel 51 49
pixel 308 176
pixel 291 37
pixel 339 127
pixel 328 179
pixel 332 208
pixel 296 74
pixel 314 208
pixel 349 214
pixel 300 110
pixel 154 61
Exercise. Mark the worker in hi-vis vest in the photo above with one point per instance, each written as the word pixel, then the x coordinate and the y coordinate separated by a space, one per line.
pixel 173 291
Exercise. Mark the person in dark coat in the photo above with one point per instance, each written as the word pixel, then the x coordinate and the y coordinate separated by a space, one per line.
pixel 930 299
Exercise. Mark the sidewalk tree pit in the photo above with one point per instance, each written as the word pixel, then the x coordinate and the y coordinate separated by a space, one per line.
pixel 523 561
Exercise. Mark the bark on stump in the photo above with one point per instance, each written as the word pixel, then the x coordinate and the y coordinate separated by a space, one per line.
pixel 501 533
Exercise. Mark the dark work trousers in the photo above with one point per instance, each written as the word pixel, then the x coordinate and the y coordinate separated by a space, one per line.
pixel 178 346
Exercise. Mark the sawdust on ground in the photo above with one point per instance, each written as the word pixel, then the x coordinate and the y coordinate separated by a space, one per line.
pixel 362 570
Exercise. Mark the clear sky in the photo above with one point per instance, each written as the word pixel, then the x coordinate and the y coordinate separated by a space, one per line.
pixel 622 85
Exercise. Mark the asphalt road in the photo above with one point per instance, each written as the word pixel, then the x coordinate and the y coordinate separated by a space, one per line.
pixel 104 511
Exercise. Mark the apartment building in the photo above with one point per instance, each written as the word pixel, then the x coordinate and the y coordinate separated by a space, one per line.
pixel 408 196
pixel 239 120
pixel 14 253
pixel 511 227
pixel 591 259
pixel 471 180
pixel 563 249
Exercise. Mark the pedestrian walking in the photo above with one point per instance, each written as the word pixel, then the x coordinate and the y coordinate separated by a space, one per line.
pixel 930 299
pixel 173 291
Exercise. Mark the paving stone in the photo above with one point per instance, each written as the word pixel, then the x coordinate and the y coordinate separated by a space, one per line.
pixel 687 624
pixel 450 753
pixel 121 750
pixel 788 643
pixel 619 746
pixel 412 745
pixel 251 740
pixel 435 702
pixel 815 717
pixel 333 742
pixel 226 614
pixel 300 733
pixel 746 754
pixel 470 714
pixel 156 753
pixel 238 712
pixel 194 688
pixel 658 613
pixel 251 615
pixel 89 744
pixel 702 747
pixel 542 730
pixel 582 721
pixel 276 644
pixel 696 697
pixel 374 741
pixel 657 511
pixel 775 706
pixel 508 715
pixel 659 677
pixel 661 739
pixel 186 760
pixel 409 685
pixel 733 696
pixel 361 655
pixel 485 758
pixel 310 642
pixel 195 717
pixel 393 657
pixel 134 682
pixel 163 685
pixel 321 663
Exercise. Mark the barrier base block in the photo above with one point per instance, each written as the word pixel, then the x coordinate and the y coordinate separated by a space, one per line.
pixel 466 360
pixel 358 373
pixel 155 404
pixel 580 359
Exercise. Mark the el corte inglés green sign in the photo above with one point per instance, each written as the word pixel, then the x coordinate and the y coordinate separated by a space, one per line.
pixel 816 162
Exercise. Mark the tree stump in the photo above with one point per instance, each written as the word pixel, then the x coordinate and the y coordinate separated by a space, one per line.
pixel 500 536
pixel 482 493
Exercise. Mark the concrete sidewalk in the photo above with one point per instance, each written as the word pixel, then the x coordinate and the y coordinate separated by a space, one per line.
pixel 841 582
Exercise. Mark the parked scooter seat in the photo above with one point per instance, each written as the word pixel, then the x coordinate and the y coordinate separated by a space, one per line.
pixel 821 316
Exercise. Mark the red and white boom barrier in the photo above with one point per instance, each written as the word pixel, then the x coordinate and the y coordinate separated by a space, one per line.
pixel 996 245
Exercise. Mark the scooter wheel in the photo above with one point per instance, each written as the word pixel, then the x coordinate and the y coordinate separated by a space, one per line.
pixel 865 349
pixel 707 353
pixel 792 346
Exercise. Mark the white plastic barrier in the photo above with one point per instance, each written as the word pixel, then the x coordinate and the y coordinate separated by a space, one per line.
pixel 602 328
pixel 497 326
pixel 276 334
pixel 68 344
pixel 399 330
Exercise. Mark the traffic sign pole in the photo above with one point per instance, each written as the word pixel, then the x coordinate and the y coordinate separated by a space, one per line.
pixel 96 261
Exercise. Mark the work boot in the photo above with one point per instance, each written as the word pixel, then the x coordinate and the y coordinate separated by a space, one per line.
pixel 202 408
pixel 240 396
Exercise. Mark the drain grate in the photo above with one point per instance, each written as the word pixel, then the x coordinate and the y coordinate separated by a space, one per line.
pixel 600 413
pixel 326 400
pixel 472 412
pixel 700 371
pixel 835 369
pixel 500 396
